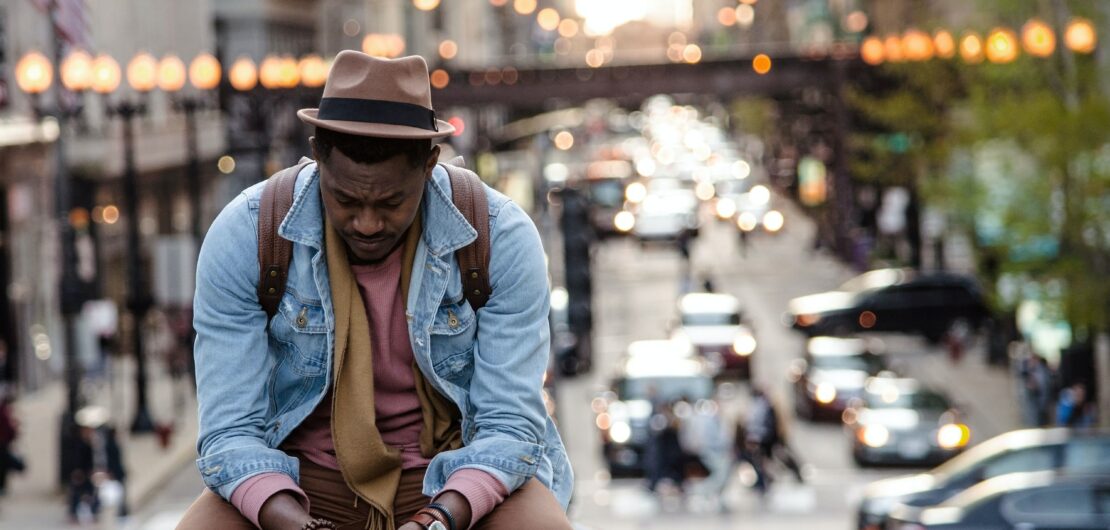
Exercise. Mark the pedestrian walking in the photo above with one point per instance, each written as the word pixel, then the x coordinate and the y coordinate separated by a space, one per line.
pixel 1073 409
pixel 705 437
pixel 765 441
pixel 378 362
pixel 9 431
pixel 1036 385
pixel 665 458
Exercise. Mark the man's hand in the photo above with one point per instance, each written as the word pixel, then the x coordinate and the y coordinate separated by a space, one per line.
pixel 456 504
pixel 282 511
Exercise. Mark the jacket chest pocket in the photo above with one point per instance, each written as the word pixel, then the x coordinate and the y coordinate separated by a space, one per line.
pixel 301 333
pixel 454 330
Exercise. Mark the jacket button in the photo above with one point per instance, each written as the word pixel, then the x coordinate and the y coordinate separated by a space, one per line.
pixel 477 292
pixel 474 275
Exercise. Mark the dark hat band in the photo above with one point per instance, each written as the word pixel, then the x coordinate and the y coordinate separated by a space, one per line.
pixel 377 111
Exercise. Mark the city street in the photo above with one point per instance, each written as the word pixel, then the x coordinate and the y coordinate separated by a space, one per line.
pixel 636 294
pixel 919 187
pixel 636 291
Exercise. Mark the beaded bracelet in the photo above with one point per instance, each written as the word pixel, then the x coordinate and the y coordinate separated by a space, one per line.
pixel 446 513
pixel 319 524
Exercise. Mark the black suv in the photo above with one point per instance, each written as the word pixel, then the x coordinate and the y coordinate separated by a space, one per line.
pixel 899 300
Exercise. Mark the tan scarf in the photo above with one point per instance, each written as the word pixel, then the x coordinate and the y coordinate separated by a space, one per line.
pixel 371 468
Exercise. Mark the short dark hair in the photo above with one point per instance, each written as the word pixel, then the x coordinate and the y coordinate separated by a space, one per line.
pixel 371 150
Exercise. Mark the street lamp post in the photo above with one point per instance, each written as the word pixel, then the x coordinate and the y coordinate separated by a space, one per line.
pixel 34 75
pixel 141 75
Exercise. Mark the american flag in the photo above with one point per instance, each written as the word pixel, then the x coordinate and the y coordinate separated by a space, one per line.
pixel 71 20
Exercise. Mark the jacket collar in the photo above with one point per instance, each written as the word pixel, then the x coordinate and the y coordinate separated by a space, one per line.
pixel 445 227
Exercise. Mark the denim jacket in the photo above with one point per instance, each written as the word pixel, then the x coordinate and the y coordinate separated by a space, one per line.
pixel 256 383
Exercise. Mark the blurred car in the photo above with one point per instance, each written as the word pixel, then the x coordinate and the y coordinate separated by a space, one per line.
pixel 604 188
pixel 1012 452
pixel 897 421
pixel 662 209
pixel 898 300
pixel 832 373
pixel 1041 499
pixel 651 373
pixel 755 214
pixel 713 324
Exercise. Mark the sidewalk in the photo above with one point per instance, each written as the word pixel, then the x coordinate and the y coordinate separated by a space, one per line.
pixel 34 499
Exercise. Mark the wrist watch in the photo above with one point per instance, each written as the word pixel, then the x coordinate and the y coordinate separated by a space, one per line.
pixel 427 521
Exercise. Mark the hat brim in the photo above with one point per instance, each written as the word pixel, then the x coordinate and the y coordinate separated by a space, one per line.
pixel 378 130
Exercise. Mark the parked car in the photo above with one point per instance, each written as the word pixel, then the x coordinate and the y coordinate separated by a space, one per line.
pixel 1036 500
pixel 898 300
pixel 1012 452
pixel 832 373
pixel 651 373
pixel 898 421
pixel 713 323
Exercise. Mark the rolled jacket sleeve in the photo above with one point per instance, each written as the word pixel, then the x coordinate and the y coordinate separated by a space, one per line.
pixel 232 358
pixel 506 433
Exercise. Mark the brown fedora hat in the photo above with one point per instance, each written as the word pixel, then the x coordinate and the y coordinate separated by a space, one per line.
pixel 385 98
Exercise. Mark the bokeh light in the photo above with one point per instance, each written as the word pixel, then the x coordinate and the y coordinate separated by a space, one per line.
pixel 106 74
pixel 313 71
pixel 691 54
pixel 448 49
pixel 944 44
pixel 524 7
pixel 440 79
pixel 971 48
pixel 1038 39
pixel 564 140
pixel 243 74
pixel 917 45
pixel 76 71
pixel 204 72
pixel 142 72
pixel 1080 36
pixel 892 49
pixel 871 50
pixel 548 19
pixel 171 73
pixel 269 72
pixel 568 27
pixel 1002 46
pixel 726 16
pixel 34 73
pixel 761 64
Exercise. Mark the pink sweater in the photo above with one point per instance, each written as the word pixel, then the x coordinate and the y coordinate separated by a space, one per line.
pixel 399 418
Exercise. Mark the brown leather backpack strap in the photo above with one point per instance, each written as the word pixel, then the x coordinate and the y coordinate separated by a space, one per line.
pixel 274 251
pixel 469 195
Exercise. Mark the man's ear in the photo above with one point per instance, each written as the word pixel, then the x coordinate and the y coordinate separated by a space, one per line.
pixel 433 159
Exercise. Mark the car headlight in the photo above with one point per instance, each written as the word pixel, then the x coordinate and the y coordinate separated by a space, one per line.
pixel 744 345
pixel 773 221
pixel 874 435
pixel 953 435
pixel 624 221
pixel 726 208
pixel 825 393
pixel 620 432
pixel 747 221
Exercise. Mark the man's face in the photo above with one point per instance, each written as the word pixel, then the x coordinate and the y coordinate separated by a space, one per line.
pixel 372 205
